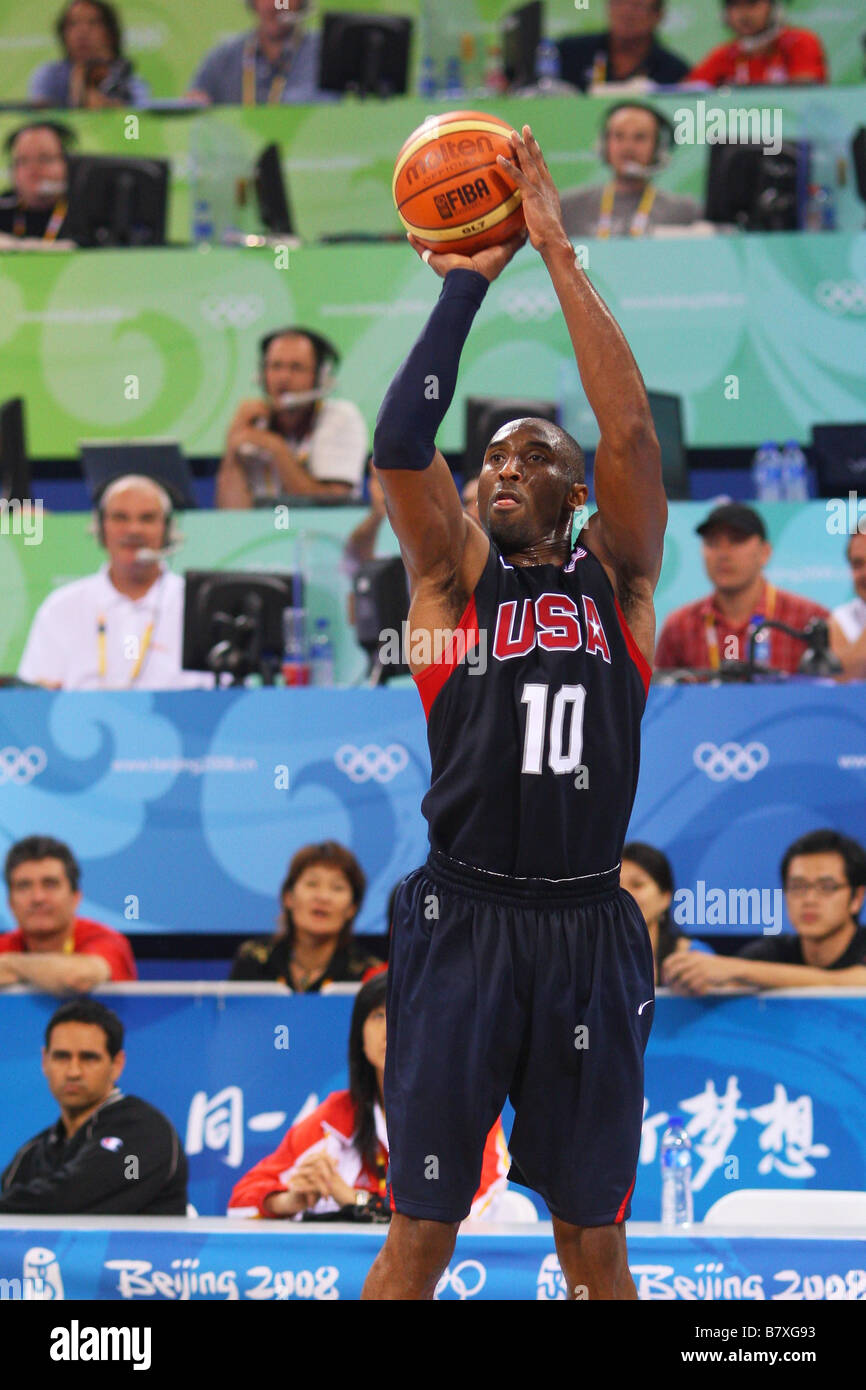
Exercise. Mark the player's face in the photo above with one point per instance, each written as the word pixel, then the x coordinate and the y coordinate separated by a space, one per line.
pixel 818 896
pixel 857 561
pixel 523 490
pixel 374 1038
pixel 632 19
pixel 645 891
pixel 733 561
pixel 37 160
pixel 631 139
pixel 43 902
pixel 321 901
pixel 748 17
pixel 290 366
pixel 133 520
pixel 77 1067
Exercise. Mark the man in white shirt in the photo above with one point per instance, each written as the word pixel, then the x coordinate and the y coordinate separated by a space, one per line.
pixel 121 628
pixel 295 441
pixel 848 621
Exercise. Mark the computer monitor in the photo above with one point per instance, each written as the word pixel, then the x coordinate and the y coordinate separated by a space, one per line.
pixel 858 156
pixel 667 416
pixel 839 456
pixel 233 621
pixel 521 34
pixel 103 460
pixel 14 463
pixel 272 193
pixel 117 201
pixel 755 190
pixel 365 53
pixel 381 593
pixel 486 414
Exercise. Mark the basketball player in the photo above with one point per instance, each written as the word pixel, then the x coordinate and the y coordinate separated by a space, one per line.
pixel 519 967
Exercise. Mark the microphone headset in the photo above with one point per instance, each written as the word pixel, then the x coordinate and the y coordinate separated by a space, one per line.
pixel 171 539
pixel 755 41
pixel 327 360
pixel 663 145
pixel 289 17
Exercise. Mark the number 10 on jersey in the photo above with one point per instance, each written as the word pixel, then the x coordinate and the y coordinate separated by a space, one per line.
pixel 568 698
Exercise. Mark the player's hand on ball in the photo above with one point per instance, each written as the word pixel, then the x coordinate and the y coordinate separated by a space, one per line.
pixel 541 206
pixel 489 262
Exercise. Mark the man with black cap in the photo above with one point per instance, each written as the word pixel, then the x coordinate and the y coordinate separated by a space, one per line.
pixel 717 628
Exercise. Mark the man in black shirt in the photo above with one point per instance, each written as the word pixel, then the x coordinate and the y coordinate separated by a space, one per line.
pixel 37 206
pixel 108 1154
pixel 823 874
pixel 625 51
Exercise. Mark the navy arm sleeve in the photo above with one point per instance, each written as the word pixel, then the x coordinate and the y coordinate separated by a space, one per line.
pixel 421 392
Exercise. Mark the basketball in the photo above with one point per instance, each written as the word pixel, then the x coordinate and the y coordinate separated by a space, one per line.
pixel 448 189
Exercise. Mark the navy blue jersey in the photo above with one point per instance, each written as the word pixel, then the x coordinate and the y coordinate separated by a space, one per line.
pixel 533 723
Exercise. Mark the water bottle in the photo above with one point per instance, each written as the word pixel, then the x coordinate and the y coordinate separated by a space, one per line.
pixel 427 78
pixel 322 654
pixel 762 644
pixel 453 77
pixel 202 222
pixel 676 1161
pixel 767 473
pixel 795 473
pixel 296 671
pixel 547 65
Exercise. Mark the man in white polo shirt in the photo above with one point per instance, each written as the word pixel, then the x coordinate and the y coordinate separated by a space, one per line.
pixel 121 628
pixel 848 621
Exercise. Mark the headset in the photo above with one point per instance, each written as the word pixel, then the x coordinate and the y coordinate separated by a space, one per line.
pixel 755 41
pixel 664 135
pixel 289 17
pixel 327 360
pixel 171 538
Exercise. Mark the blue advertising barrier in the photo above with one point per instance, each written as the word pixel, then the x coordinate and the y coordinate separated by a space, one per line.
pixel 185 809
pixel 772 1087
pixel 136 1260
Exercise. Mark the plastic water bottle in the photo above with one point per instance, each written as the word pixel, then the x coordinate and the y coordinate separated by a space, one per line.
pixel 296 670
pixel 322 654
pixel 767 473
pixel 762 644
pixel 427 78
pixel 795 473
pixel 202 222
pixel 453 77
pixel 676 1162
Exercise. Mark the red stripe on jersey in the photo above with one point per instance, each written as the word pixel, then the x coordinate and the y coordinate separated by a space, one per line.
pixel 621 1213
pixel 635 652
pixel 431 680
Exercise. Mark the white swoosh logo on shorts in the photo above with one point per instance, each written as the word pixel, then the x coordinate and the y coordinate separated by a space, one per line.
pixel 643 1006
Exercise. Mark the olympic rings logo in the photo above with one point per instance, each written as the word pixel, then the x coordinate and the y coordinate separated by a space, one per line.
pixel 232 310
pixel 454 1279
pixel 529 305
pixel 842 296
pixel 371 761
pixel 21 765
pixel 731 760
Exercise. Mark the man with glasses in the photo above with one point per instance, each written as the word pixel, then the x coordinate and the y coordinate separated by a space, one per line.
pixel 823 875
pixel 37 204
pixel 626 51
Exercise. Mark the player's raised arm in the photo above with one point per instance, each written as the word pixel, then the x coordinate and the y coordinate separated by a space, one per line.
pixel 423 503
pixel 632 509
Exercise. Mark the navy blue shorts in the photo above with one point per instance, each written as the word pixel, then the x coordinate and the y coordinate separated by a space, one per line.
pixel 502 987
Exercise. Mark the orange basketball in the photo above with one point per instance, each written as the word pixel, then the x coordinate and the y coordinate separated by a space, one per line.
pixel 449 190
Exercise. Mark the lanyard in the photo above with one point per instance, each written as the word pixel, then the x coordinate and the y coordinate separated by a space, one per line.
pixel 55 221
pixel 145 642
pixel 638 223
pixel 278 83
pixel 754 622
pixel 599 70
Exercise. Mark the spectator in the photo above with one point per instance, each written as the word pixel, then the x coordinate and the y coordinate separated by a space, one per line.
pixel 295 441
pixel 360 546
pixel 52 948
pixel 94 72
pixel 108 1154
pixel 276 62
pixel 37 204
pixel 321 896
pixel 764 51
pixel 337 1156
pixel 823 875
pixel 635 142
pixel 848 621
pixel 717 628
pixel 122 627
pixel 626 51
pixel 646 873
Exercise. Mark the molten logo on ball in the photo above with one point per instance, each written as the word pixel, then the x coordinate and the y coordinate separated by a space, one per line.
pixel 449 152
